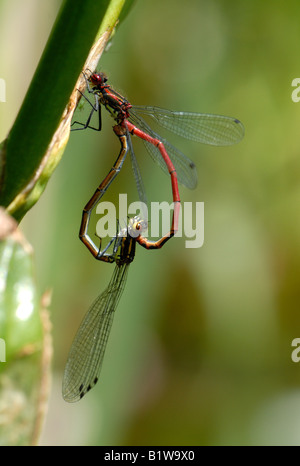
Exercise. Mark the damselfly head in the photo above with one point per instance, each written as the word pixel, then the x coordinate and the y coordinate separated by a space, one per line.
pixel 136 226
pixel 98 79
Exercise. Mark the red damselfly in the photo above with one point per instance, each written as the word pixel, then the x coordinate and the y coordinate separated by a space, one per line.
pixel 87 351
pixel 210 129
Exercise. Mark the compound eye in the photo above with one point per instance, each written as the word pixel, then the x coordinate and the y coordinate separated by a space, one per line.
pixel 93 78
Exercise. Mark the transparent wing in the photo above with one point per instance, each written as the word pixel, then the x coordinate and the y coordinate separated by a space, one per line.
pixel 217 130
pixel 185 167
pixel 87 351
pixel 140 187
pixel 136 172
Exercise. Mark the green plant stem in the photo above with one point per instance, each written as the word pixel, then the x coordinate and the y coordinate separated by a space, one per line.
pixel 74 32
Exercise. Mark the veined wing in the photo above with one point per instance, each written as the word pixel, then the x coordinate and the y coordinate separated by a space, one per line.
pixel 185 167
pixel 87 351
pixel 137 173
pixel 217 130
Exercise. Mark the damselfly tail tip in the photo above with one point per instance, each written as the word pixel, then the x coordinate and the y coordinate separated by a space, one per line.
pixel 72 396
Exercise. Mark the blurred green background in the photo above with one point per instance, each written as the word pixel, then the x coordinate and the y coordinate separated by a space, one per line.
pixel 200 350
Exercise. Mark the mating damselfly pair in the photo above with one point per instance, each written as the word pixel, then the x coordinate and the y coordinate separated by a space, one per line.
pixel 88 348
